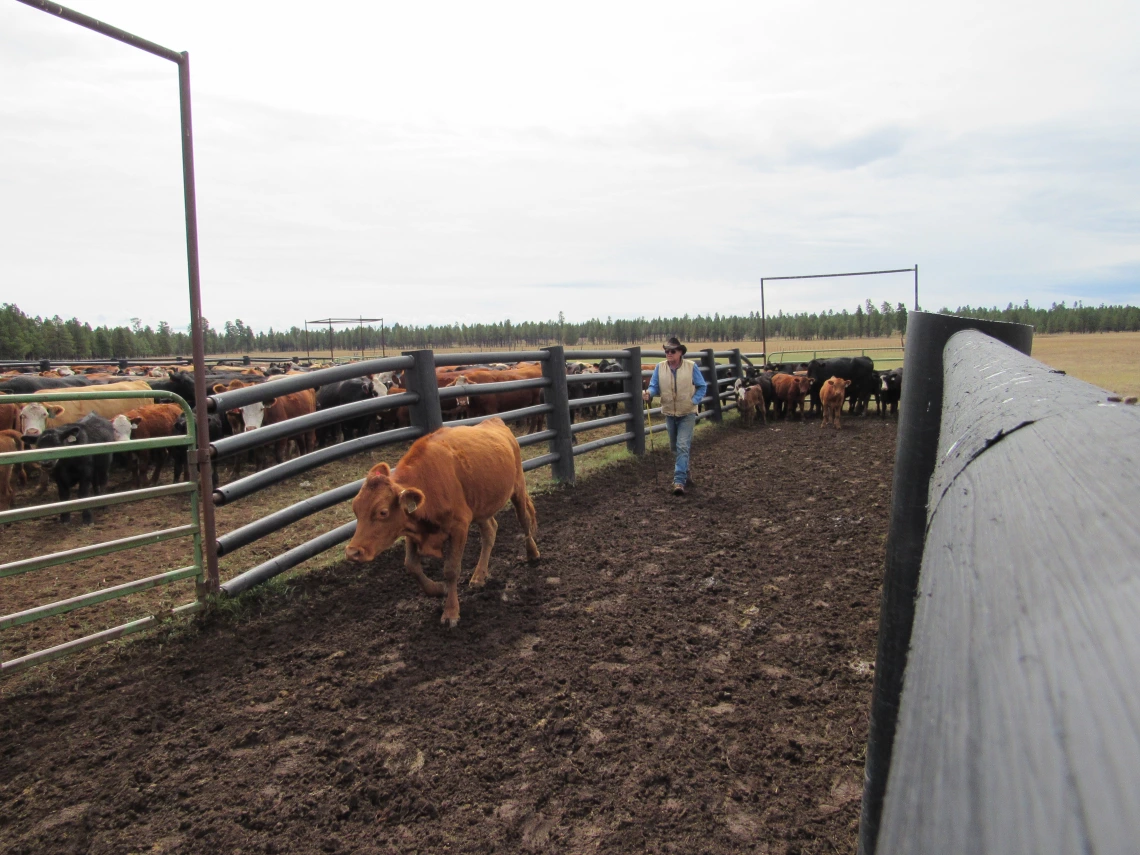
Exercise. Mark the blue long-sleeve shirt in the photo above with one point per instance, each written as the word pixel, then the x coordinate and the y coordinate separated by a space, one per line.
pixel 699 382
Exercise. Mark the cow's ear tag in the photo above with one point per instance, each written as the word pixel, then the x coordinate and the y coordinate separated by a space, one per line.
pixel 70 439
pixel 410 500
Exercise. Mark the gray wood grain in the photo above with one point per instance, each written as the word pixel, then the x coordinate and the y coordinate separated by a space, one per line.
pixel 1019 724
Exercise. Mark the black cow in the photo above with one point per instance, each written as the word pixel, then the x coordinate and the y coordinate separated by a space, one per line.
pixel 890 391
pixel 338 394
pixel 28 384
pixel 857 369
pixel 87 473
pixel 860 393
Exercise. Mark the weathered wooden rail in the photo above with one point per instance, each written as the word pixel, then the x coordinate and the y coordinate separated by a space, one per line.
pixel 1006 713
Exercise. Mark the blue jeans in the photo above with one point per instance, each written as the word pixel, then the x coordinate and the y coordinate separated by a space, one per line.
pixel 680 430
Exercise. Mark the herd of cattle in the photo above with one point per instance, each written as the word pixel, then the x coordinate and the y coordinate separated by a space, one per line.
pixel 777 390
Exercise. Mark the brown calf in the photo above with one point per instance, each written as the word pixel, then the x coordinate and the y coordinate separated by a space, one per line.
pixel 831 396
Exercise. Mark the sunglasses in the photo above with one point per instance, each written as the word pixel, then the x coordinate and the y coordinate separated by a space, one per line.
pixel 669 350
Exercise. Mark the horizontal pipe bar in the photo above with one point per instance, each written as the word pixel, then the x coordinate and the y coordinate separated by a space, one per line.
pixel 616 398
pixel 599 423
pixel 469 389
pixel 602 443
pixel 242 442
pixel 287 560
pixel 286 383
pixel 14 665
pixel 507 415
pixel 446 359
pixel 259 528
pixel 106 500
pixel 538 462
pixel 585 355
pixel 105 29
pixel 597 377
pixel 96 597
pixel 275 474
pixel 764 279
pixel 15 568
pixel 535 438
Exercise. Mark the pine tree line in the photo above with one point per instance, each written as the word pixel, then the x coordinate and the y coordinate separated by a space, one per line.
pixel 27 338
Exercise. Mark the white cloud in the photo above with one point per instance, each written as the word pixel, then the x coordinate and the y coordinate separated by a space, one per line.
pixel 447 161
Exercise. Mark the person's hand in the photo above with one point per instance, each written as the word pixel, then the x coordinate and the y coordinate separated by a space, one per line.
pixel 645 396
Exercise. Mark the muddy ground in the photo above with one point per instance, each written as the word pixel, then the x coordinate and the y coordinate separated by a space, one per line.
pixel 687 675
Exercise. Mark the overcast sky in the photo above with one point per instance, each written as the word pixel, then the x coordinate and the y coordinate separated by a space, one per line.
pixel 437 162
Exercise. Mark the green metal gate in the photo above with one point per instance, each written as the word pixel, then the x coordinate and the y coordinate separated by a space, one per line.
pixel 191 529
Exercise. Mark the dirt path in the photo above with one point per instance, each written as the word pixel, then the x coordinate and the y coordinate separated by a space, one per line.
pixel 677 675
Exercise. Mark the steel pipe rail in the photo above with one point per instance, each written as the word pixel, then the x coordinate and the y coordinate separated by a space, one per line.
pixel 586 355
pixel 539 462
pixel 579 427
pixel 615 398
pixel 507 415
pixel 275 474
pixel 105 500
pixel 287 383
pixel 242 442
pixel 616 439
pixel 14 568
pixel 259 528
pixel 469 389
pixel 537 437
pixel 278 565
pixel 445 359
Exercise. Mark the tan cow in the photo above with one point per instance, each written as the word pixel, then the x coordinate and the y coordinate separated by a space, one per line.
pixel 831 395
pixel 447 480
pixel 51 411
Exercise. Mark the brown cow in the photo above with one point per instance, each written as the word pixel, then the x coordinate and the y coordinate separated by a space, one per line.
pixel 263 414
pixel 10 440
pixel 750 400
pixel 447 480
pixel 790 390
pixel 831 396
pixel 499 402
pixel 151 422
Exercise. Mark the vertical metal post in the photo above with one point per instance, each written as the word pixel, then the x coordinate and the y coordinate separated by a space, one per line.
pixel 201 420
pixel 425 413
pixel 631 362
pixel 710 365
pixel 383 347
pixel 763 323
pixel 920 422
pixel 554 370
pixel 332 352
pixel 308 353
pixel 916 287
pixel 737 363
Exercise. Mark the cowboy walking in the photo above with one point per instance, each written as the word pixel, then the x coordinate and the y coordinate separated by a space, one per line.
pixel 681 387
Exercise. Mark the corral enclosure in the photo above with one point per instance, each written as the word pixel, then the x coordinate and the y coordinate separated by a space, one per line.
pixel 675 675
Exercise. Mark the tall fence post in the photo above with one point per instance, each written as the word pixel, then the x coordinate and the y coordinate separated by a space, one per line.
pixel 709 362
pixel 631 362
pixel 920 421
pixel 425 413
pixel 554 370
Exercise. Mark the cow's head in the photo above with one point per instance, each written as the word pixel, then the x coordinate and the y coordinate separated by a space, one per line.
pixel 463 401
pixel 253 415
pixel 384 511
pixel 33 417
pixel 122 426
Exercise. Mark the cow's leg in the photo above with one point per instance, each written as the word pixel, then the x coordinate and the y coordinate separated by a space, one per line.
pixel 414 565
pixel 528 520
pixel 452 564
pixel 488 529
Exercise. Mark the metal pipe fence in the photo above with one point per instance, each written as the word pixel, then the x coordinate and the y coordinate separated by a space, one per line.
pixel 192 530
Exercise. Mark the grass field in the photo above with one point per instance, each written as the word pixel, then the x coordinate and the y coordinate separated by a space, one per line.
pixel 1108 360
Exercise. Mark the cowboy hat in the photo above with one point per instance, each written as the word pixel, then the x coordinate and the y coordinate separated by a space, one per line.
pixel 674 344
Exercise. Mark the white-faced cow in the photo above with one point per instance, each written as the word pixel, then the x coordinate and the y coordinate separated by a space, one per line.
pixel 447 480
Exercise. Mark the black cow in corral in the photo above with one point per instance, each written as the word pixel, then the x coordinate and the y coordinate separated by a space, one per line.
pixel 890 391
pixel 609 387
pixel 88 473
pixel 577 391
pixel 337 395
pixel 861 391
pixel 857 369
